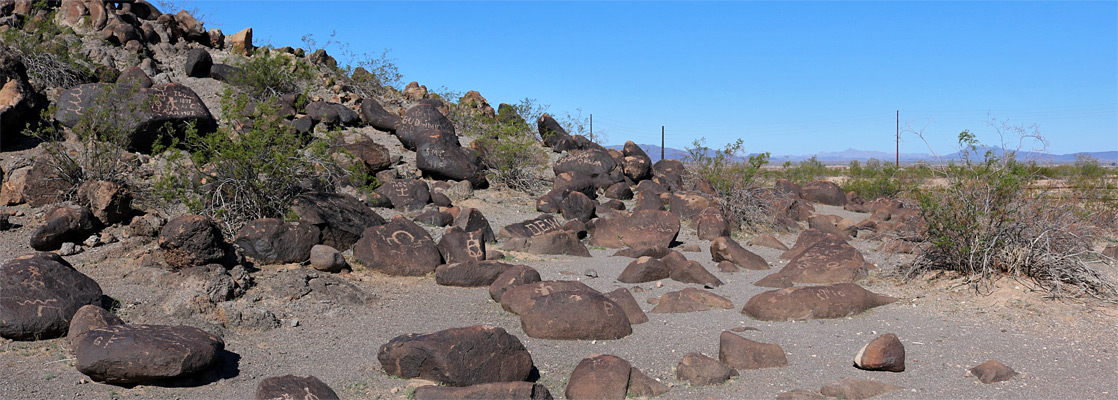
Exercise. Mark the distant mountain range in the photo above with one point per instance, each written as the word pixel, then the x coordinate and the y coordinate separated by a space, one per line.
pixel 848 155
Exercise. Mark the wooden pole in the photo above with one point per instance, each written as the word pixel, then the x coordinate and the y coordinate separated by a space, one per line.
pixel 898 139
pixel 661 142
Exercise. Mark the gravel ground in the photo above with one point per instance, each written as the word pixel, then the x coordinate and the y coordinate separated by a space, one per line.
pixel 1062 349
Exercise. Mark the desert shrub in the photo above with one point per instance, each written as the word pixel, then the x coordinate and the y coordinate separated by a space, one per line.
pixel 804 171
pixel 987 220
pixel 365 74
pixel 511 155
pixel 237 175
pixel 98 146
pixel 268 73
pixel 734 177
pixel 876 179
pixel 48 52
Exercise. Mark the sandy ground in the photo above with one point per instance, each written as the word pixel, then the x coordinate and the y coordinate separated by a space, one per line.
pixel 1062 349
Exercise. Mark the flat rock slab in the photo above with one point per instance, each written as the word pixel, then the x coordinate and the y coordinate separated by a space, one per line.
pixel 470 273
pixel 812 302
pixel 533 227
pixel 700 370
pixel 575 316
pixel 857 389
pixel 399 247
pixel 741 353
pixel 127 354
pixel 828 260
pixel 993 371
pixel 495 390
pixel 523 297
pixel 294 387
pixel 458 357
pixel 39 294
pixel 645 228
pixel 690 300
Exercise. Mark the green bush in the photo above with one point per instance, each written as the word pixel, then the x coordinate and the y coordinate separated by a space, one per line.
pixel 268 73
pixel 238 175
pixel 511 154
pixel 987 220
pixel 805 171
pixel 734 178
pixel 876 179
pixel 98 146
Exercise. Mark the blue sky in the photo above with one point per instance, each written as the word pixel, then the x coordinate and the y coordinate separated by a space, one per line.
pixel 786 77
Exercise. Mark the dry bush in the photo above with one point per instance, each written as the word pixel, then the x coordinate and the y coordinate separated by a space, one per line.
pixel 989 221
pixel 734 179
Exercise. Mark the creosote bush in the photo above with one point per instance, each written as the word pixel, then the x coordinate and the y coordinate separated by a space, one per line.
pixel 47 49
pixel 735 179
pixel 269 73
pixel 876 179
pixel 236 175
pixel 989 220
pixel 511 155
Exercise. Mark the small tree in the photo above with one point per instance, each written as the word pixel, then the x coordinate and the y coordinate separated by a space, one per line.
pixel 734 179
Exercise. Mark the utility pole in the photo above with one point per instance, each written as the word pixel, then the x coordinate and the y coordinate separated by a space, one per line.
pixel 898 138
pixel 661 142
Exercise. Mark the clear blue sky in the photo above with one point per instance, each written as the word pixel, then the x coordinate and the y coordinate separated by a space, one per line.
pixel 787 77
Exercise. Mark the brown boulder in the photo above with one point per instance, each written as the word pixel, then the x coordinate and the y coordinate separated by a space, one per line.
pixel 241 42
pixel 191 240
pixel 64 223
pixel 405 194
pixel 638 252
pixel 741 353
pixel 829 260
pixel 702 370
pixel 534 227
pixel 812 302
pixel 687 205
pixel 458 356
pixel 710 224
pixel 87 318
pixel 372 155
pixel 599 376
pixel 458 246
pixel 644 269
pixel 625 299
pixel 109 201
pixel 474 273
pixel 377 117
pixel 575 316
pixel 127 354
pixel 556 243
pixel 693 272
pixel 294 387
pixel 341 218
pixel 399 247
pixel 993 371
pixel 690 300
pixel 727 249
pixel 272 241
pixel 576 206
pixel 40 294
pixel 645 228
pixel 521 298
pixel 885 353
pixel 857 389
pixel 823 192
pixel 492 390
pixel 513 276
pixel 642 385
pixel 471 219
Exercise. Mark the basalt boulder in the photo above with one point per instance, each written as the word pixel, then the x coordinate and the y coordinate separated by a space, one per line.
pixel 813 302
pixel 399 247
pixel 458 357
pixel 40 294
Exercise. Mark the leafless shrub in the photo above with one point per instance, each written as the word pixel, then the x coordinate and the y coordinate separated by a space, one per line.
pixel 988 220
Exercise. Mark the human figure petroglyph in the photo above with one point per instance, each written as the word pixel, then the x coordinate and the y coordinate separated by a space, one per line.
pixel 473 248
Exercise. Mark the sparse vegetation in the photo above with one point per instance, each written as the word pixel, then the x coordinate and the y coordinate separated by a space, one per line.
pixel 804 171
pixel 876 179
pixel 988 220
pixel 47 50
pixel 269 73
pixel 734 178
pixel 237 175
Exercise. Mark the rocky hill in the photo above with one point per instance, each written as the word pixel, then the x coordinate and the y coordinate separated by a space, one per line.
pixel 184 214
